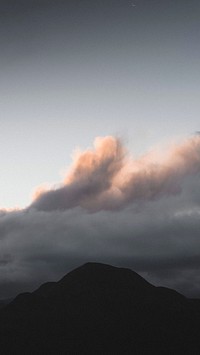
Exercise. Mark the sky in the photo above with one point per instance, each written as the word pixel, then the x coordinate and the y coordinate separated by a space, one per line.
pixel 100 153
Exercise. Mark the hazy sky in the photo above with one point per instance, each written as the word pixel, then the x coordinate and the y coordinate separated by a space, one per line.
pixel 75 70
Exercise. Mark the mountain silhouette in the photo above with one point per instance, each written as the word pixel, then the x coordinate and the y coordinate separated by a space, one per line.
pixel 100 309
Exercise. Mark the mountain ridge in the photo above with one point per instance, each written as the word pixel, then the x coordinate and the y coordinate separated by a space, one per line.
pixel 98 308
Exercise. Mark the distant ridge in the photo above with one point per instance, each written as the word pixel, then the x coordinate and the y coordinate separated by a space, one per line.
pixel 100 309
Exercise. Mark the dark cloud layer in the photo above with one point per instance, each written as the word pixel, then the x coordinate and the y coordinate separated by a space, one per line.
pixel 160 240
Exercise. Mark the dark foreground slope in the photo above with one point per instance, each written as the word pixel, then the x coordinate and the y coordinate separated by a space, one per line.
pixel 100 309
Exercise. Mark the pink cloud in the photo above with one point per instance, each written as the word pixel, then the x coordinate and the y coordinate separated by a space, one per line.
pixel 108 178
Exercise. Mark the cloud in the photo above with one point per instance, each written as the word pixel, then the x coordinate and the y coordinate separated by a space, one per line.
pixel 108 178
pixel 90 176
pixel 158 239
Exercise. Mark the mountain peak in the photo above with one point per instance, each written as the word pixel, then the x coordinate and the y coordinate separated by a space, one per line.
pixel 99 308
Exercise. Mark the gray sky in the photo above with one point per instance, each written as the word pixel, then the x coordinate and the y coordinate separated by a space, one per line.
pixel 75 70
pixel 71 71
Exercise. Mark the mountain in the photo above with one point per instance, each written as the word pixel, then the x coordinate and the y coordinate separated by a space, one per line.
pixel 100 309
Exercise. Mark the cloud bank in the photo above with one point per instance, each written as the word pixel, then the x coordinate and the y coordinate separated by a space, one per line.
pixel 107 178
pixel 146 216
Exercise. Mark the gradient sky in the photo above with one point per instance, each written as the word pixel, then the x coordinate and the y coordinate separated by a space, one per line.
pixel 124 70
pixel 74 70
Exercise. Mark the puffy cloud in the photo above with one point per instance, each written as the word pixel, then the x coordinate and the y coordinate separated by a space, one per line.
pixel 107 178
pixel 90 175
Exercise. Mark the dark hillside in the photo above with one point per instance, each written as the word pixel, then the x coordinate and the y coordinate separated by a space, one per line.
pixel 100 309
